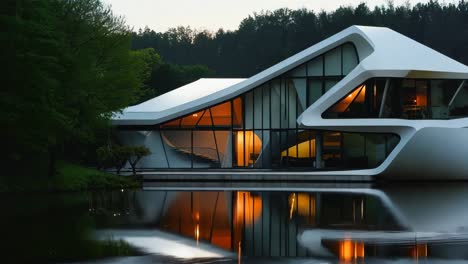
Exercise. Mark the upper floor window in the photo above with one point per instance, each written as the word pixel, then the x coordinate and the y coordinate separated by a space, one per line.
pixel 337 62
pixel 221 115
pixel 404 98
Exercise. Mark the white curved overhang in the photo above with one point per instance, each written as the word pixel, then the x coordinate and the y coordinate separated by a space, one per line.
pixel 394 56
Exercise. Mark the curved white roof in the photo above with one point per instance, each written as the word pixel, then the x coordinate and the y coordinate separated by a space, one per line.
pixel 382 52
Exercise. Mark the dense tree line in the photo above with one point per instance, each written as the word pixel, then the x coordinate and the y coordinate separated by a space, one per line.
pixel 268 37
pixel 69 66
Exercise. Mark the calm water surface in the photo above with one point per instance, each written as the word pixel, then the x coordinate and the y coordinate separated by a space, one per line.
pixel 425 223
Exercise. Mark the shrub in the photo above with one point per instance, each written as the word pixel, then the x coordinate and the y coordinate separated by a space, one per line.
pixel 118 156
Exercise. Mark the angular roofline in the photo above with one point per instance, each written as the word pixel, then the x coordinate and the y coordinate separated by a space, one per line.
pixel 381 51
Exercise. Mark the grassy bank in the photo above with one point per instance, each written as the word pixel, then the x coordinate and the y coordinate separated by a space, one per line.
pixel 70 177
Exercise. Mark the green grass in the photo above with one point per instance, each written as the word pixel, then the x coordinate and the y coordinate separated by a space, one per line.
pixel 71 177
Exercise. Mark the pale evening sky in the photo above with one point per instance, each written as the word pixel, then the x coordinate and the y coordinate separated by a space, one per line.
pixel 214 14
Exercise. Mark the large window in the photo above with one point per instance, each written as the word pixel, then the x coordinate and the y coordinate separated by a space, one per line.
pixel 258 129
pixel 404 98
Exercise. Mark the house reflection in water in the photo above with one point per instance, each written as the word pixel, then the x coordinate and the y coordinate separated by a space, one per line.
pixel 267 223
pixel 226 219
pixel 349 224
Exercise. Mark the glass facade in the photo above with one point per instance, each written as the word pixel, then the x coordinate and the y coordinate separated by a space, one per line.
pixel 405 99
pixel 258 129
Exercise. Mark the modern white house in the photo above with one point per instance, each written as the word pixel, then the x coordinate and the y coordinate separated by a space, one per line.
pixel 366 101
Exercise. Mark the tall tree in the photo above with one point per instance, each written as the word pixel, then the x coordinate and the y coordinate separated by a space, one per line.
pixel 71 67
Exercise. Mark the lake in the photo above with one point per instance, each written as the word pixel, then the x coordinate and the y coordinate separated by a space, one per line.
pixel 242 223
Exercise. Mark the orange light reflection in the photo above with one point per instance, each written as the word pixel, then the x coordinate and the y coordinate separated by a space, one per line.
pixel 419 251
pixel 350 250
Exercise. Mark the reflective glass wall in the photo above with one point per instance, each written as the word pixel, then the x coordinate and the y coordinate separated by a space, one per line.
pixel 258 129
pixel 404 98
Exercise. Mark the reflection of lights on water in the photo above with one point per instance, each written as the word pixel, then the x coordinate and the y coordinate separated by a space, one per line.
pixel 351 250
pixel 239 253
pixel 291 211
pixel 197 226
pixel 197 233
pixel 358 208
pixel 302 204
pixel 247 210
pixel 419 251
pixel 248 207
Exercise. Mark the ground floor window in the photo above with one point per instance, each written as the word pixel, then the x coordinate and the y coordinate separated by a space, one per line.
pixel 261 149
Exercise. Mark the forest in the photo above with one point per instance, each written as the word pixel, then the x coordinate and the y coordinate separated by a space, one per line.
pixel 69 64
pixel 266 38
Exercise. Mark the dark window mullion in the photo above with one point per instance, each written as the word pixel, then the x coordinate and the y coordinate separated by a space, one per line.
pixel 244 129
pixel 164 148
pixel 307 88
pixel 191 148
pixel 233 156
pixel 253 128
pixel 280 97
pixel 297 143
pixel 214 136
pixel 271 125
pixel 262 147
pixel 198 121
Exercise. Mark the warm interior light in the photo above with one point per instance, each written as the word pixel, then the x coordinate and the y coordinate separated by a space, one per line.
pixel 248 150
pixel 304 149
pixel 195 115
pixel 344 104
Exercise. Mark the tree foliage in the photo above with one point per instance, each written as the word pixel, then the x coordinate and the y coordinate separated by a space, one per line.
pixel 70 66
pixel 265 38
pixel 162 77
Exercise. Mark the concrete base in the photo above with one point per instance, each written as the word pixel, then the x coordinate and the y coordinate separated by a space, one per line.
pixel 283 176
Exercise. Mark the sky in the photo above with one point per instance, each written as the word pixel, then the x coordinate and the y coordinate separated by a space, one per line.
pixel 161 15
